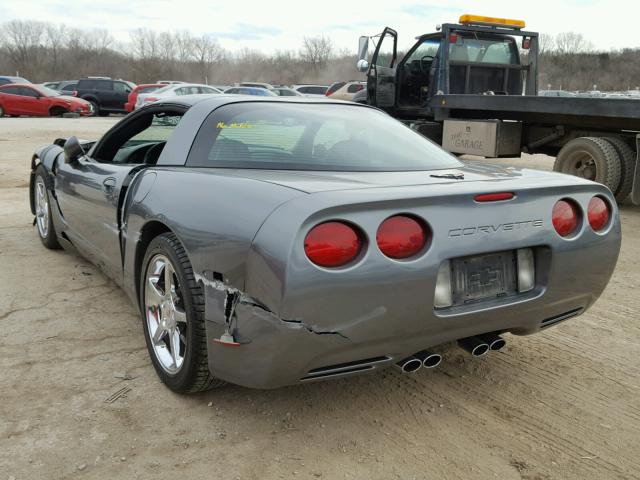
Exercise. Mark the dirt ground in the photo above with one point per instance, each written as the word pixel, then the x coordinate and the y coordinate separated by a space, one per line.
pixel 564 404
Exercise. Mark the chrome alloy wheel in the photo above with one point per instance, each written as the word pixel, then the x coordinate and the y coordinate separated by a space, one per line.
pixel 165 314
pixel 42 208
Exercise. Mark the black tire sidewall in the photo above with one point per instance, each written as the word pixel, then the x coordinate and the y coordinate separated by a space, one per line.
pixel 594 149
pixel 184 378
pixel 51 240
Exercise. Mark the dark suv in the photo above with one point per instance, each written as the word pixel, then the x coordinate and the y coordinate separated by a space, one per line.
pixel 106 95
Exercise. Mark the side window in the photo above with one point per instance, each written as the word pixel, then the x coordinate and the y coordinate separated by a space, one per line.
pixel 355 87
pixel 87 84
pixel 4 81
pixel 11 90
pixel 145 146
pixel 104 85
pixel 28 92
pixel 121 87
pixel 428 48
pixel 387 54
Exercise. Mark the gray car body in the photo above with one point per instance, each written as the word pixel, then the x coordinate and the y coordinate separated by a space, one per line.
pixel 243 231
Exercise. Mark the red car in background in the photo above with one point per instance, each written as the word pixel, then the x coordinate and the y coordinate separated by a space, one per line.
pixel 38 101
pixel 144 88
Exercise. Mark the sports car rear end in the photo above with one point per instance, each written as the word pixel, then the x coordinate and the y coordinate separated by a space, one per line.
pixel 493 260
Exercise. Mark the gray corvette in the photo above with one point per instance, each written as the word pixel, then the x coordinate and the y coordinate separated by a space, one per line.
pixel 269 242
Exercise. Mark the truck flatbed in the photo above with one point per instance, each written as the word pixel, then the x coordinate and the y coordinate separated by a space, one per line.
pixel 605 114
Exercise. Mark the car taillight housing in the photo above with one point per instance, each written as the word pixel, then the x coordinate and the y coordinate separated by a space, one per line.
pixel 565 217
pixel 333 244
pixel 598 213
pixel 402 236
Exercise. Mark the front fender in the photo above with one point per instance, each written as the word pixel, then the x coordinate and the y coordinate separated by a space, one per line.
pixel 45 156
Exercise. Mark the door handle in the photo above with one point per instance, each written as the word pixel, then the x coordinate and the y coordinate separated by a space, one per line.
pixel 109 185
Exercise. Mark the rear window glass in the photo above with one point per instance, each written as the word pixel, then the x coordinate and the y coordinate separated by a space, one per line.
pixel 479 50
pixel 285 136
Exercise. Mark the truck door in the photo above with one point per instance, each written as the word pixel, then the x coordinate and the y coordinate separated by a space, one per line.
pixel 381 77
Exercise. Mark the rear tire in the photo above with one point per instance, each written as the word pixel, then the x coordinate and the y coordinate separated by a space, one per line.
pixel 172 303
pixel 42 202
pixel 628 165
pixel 592 158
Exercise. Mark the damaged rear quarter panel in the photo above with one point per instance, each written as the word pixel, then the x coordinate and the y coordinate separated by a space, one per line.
pixel 215 216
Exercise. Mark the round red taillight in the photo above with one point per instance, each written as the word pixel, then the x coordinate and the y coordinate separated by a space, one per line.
pixel 401 237
pixel 565 217
pixel 332 244
pixel 598 213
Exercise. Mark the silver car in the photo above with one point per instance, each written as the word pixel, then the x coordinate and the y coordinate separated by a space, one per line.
pixel 175 89
pixel 270 241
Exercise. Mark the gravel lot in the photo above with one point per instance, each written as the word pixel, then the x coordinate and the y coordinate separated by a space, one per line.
pixel 564 404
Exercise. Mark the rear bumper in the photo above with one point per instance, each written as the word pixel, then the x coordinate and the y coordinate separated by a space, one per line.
pixel 275 352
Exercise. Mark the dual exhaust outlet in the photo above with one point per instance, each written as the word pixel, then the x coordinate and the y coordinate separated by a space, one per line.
pixel 476 346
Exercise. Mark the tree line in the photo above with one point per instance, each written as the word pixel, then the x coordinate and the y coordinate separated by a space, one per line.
pixel 42 51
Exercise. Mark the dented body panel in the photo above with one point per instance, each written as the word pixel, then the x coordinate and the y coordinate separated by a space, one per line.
pixel 292 321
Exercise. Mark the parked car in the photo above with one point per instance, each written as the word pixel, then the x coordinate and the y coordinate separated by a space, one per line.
pixel 348 90
pixel 312 90
pixel 286 92
pixel 270 242
pixel 143 88
pixel 256 91
pixel 105 94
pixel 175 89
pixel 169 82
pixel 62 85
pixel 4 80
pixel 333 87
pixel 268 86
pixel 38 101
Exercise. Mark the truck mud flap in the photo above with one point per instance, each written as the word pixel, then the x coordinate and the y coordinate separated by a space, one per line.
pixel 635 191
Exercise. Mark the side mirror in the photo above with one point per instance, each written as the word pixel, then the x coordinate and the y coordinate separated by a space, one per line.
pixel 72 150
pixel 362 65
pixel 363 47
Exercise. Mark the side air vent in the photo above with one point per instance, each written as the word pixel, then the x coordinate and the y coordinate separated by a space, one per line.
pixel 345 368
pixel 559 318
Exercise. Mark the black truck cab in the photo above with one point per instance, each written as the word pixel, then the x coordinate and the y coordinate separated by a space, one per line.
pixel 473 57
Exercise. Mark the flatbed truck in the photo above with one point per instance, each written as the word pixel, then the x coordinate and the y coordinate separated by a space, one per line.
pixel 472 87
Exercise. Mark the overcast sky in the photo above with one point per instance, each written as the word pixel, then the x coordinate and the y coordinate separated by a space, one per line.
pixel 281 24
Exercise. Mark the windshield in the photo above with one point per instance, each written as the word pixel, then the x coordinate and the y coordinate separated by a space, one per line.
pixel 288 136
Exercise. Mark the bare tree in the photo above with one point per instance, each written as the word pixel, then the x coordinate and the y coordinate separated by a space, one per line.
pixel 24 44
pixel 546 43
pixel 571 42
pixel 206 52
pixel 316 51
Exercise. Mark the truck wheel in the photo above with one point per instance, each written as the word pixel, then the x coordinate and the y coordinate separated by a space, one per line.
pixel 628 163
pixel 172 308
pixel 592 158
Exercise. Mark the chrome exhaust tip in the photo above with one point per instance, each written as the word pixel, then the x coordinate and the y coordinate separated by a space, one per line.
pixel 410 364
pixel 428 359
pixel 474 345
pixel 495 342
